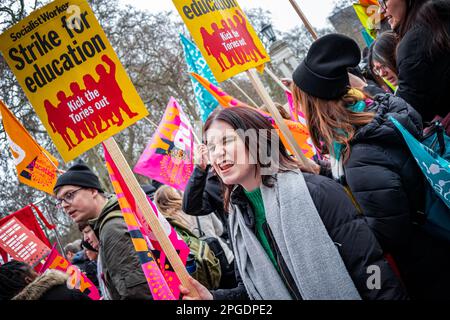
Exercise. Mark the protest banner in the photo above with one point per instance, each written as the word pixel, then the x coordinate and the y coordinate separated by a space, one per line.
pixel 27 218
pixel 21 244
pixel 223 34
pixel 35 166
pixel 71 75
pixel 168 158
pixel 162 280
pixel 148 212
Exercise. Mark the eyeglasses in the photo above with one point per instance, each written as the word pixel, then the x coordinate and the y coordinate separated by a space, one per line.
pixel 68 198
pixel 377 70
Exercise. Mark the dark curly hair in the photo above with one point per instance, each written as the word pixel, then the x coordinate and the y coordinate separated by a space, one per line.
pixel 13 278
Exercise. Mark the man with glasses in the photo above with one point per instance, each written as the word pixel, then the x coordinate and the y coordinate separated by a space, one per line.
pixel 79 193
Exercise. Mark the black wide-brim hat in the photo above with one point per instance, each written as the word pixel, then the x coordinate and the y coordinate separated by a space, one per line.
pixel 323 73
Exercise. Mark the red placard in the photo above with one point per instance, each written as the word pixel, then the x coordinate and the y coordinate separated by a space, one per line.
pixel 21 244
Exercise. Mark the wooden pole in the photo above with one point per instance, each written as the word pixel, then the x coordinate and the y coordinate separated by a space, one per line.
pixel 278 81
pixel 148 213
pixel 304 19
pixel 151 122
pixel 256 81
pixel 244 93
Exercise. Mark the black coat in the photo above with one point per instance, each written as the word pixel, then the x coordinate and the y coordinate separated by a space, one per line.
pixel 388 185
pixel 423 79
pixel 383 175
pixel 356 243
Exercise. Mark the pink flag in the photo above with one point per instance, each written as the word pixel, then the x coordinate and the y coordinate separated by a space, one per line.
pixel 162 279
pixel 168 158
pixel 292 109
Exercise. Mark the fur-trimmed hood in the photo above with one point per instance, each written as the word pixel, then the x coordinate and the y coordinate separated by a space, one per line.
pixel 42 284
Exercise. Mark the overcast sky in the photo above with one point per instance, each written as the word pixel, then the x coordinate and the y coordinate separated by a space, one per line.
pixel 284 16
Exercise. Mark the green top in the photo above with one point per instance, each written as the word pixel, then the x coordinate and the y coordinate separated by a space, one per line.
pixel 257 204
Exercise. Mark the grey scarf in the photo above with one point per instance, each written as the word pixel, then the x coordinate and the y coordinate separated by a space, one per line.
pixel 310 255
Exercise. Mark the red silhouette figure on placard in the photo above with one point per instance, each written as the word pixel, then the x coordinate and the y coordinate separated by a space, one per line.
pixel 57 123
pixel 87 109
pixel 251 47
pixel 64 114
pixel 233 41
pixel 98 116
pixel 212 46
pixel 234 55
pixel 78 95
pixel 108 83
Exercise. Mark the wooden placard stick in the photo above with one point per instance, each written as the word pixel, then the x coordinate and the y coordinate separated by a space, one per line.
pixel 244 93
pixel 148 213
pixel 304 19
pixel 256 81
pixel 277 81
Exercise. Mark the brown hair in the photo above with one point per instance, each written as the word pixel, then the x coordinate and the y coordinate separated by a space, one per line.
pixel 242 119
pixel 169 202
pixel 284 114
pixel 330 120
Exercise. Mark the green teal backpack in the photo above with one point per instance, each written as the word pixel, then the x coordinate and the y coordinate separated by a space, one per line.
pixel 208 271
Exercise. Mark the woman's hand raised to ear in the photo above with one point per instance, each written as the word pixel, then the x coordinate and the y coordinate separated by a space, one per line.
pixel 356 82
pixel 203 293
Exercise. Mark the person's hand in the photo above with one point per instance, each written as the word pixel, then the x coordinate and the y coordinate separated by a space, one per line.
pixel 310 166
pixel 356 82
pixel 287 82
pixel 201 156
pixel 203 293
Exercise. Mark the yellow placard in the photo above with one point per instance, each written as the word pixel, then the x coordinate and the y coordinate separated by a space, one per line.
pixel 224 36
pixel 72 76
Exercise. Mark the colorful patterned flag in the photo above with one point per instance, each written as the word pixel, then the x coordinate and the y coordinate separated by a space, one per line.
pixel 435 168
pixel 196 63
pixel 368 13
pixel 435 165
pixel 168 158
pixel 35 166
pixel 292 110
pixel 298 116
pixel 299 131
pixel 162 279
pixel 77 279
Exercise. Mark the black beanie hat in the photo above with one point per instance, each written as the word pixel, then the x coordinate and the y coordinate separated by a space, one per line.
pixel 79 175
pixel 323 74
